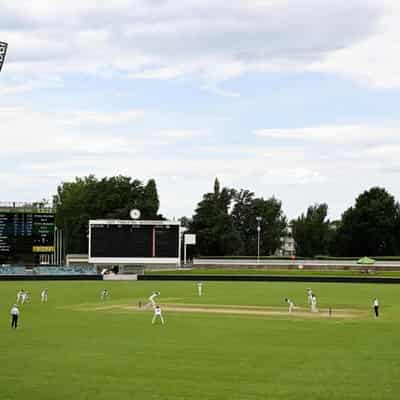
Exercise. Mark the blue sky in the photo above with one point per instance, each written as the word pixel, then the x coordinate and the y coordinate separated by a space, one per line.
pixel 293 99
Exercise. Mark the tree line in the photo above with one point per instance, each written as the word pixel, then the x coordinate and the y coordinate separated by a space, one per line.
pixel 109 198
pixel 231 222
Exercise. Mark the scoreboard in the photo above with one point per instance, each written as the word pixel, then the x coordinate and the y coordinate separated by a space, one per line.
pixel 133 241
pixel 24 234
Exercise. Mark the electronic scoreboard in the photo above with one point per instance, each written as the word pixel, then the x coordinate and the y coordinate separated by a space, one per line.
pixel 24 235
pixel 130 242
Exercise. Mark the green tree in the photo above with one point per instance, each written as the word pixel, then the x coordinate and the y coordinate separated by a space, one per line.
pixel 311 231
pixel 371 226
pixel 244 221
pixel 272 224
pixel 333 237
pixel 213 225
pixel 150 203
pixel 185 222
pixel 89 198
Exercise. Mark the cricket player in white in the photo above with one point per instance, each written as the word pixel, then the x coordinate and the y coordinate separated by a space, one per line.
pixel 43 295
pixel 290 304
pixel 309 296
pixel 19 295
pixel 157 314
pixel 24 297
pixel 314 303
pixel 104 294
pixel 152 299
pixel 200 288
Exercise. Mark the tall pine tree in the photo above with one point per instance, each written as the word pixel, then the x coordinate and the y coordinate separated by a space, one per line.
pixel 213 224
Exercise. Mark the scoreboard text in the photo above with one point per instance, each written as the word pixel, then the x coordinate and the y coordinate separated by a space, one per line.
pixel 24 233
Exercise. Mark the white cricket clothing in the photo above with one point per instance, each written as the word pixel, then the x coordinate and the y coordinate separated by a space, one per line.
pixel 14 311
pixel 24 297
pixel 151 299
pixel 310 295
pixel 313 304
pixel 44 295
pixel 157 314
pixel 200 288
pixel 376 303
pixel 19 296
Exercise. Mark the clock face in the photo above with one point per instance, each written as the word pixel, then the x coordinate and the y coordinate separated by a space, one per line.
pixel 134 214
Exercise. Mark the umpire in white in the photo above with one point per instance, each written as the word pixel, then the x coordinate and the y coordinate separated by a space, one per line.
pixel 375 304
pixel 14 316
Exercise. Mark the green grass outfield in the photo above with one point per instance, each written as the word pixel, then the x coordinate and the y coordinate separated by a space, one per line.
pixel 72 349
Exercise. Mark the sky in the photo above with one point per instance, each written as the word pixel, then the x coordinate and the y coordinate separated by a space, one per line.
pixel 296 99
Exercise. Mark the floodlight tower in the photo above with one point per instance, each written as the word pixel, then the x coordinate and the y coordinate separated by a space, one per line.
pixel 3 51
pixel 258 219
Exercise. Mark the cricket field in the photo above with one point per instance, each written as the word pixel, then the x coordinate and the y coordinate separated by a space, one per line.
pixel 235 342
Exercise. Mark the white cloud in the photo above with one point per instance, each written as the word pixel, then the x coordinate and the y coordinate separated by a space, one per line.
pixel 103 118
pixel 360 135
pixel 28 86
pixel 45 152
pixel 213 88
pixel 150 39
pixel 180 133
pixel 292 175
pixel 373 61
pixel 50 134
pixel 158 73
pixel 169 39
pixel 28 132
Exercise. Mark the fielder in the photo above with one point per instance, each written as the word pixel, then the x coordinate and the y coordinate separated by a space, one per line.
pixel 43 295
pixel 157 314
pixel 290 304
pixel 104 294
pixel 25 297
pixel 314 303
pixel 309 296
pixel 19 295
pixel 200 288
